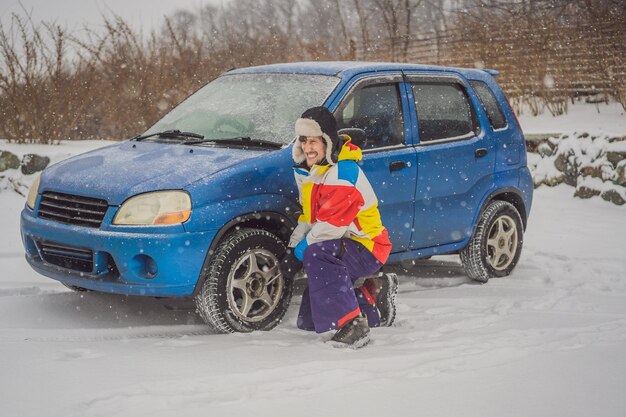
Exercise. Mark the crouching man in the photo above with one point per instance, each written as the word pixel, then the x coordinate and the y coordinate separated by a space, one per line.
pixel 340 237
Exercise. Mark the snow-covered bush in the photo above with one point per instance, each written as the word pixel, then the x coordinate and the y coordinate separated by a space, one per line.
pixel 595 165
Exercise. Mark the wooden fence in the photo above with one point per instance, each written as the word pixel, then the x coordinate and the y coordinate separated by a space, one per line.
pixel 552 64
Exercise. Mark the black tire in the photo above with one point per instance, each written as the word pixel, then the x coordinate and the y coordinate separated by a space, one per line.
pixel 244 289
pixel 495 247
pixel 75 288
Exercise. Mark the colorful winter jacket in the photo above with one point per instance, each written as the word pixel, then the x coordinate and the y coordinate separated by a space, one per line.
pixel 338 201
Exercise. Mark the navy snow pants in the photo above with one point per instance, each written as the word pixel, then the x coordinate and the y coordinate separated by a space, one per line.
pixel 330 300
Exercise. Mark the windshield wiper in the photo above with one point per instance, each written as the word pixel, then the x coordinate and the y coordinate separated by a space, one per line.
pixel 171 134
pixel 244 141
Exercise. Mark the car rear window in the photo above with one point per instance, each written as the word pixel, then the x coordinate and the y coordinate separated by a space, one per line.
pixel 490 104
pixel 443 111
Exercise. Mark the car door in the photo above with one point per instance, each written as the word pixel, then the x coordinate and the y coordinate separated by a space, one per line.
pixel 378 104
pixel 455 159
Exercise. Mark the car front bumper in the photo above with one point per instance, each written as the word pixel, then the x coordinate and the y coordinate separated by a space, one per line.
pixel 149 261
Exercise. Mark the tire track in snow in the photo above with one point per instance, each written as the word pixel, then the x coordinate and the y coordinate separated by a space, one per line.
pixel 269 380
pixel 197 394
pixel 26 291
pixel 102 335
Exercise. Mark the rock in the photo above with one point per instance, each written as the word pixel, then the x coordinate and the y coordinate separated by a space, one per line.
pixel 566 163
pixel 585 192
pixel 533 141
pixel 620 175
pixel 590 171
pixel 617 139
pixel 554 181
pixel 8 160
pixel 545 149
pixel 600 168
pixel 560 162
pixel 531 146
pixel 615 157
pixel 614 197
pixel 32 163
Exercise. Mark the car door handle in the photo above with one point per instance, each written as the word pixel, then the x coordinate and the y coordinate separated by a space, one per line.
pixel 397 166
pixel 480 152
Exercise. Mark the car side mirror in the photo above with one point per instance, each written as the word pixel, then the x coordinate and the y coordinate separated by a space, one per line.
pixel 359 138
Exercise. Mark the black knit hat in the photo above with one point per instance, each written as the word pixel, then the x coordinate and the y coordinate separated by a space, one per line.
pixel 318 121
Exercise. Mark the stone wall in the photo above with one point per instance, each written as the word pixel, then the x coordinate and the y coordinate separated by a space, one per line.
pixel 11 164
pixel 594 165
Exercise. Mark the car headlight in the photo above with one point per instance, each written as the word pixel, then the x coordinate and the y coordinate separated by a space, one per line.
pixel 32 193
pixel 156 208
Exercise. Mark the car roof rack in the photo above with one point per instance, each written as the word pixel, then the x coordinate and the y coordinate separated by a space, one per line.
pixel 493 73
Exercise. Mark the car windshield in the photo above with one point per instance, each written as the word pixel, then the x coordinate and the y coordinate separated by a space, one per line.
pixel 258 106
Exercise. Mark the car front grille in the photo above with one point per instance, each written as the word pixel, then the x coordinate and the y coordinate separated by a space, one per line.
pixel 76 259
pixel 72 209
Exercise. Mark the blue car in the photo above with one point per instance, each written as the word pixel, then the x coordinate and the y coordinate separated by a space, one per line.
pixel 203 203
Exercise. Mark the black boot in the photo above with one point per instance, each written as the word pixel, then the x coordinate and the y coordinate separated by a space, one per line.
pixel 386 300
pixel 354 334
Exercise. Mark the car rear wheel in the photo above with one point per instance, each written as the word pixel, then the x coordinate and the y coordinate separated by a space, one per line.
pixel 244 288
pixel 495 247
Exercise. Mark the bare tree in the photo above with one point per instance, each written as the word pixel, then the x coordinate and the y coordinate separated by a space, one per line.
pixel 116 82
pixel 393 24
pixel 363 17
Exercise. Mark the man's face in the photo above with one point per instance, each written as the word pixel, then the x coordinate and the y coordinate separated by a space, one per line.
pixel 314 148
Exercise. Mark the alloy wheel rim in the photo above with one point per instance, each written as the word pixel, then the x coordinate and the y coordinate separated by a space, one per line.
pixel 502 243
pixel 255 285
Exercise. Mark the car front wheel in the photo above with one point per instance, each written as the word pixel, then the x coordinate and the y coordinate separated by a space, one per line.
pixel 495 247
pixel 244 288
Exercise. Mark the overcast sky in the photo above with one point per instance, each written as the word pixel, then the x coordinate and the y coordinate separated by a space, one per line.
pixel 74 14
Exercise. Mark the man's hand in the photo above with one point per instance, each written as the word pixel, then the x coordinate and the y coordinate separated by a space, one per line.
pixel 290 265
pixel 298 251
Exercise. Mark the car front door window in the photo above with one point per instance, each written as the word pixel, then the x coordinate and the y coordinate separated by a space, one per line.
pixel 377 110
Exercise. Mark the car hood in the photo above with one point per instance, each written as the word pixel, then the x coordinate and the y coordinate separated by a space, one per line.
pixel 117 172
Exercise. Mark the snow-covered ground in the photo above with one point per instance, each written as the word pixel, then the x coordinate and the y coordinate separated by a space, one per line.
pixel 550 340
pixel 601 118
